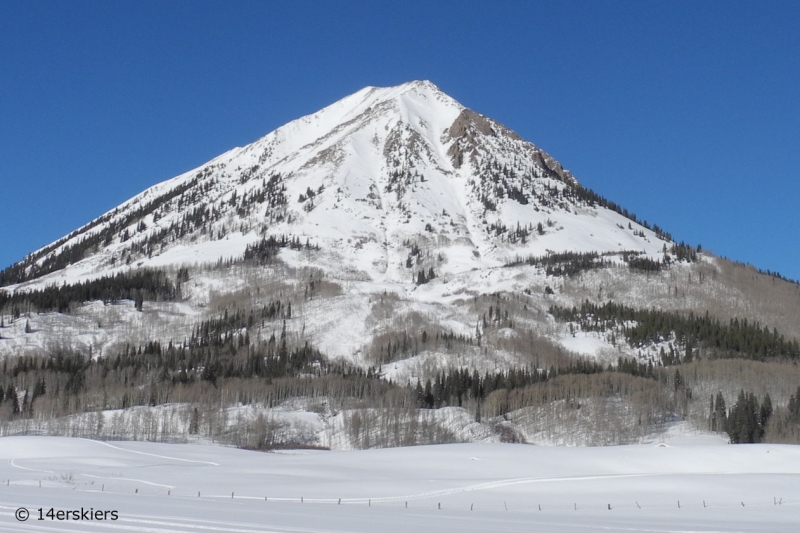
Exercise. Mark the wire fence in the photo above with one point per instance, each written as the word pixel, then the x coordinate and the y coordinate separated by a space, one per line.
pixel 417 502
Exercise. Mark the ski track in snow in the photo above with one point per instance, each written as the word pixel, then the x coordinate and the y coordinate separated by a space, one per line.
pixel 15 465
pixel 481 474
pixel 152 484
pixel 464 489
pixel 152 454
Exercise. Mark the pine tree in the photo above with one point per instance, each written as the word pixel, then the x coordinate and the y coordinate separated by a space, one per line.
pixel 194 423
pixel 677 380
pixel 743 421
pixel 283 351
pixel 764 415
pixel 720 413
pixel 428 395
pixel 794 406
pixel 11 395
pixel 138 301
pixel 711 421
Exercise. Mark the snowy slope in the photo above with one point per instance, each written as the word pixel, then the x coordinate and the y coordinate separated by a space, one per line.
pixel 386 169
pixel 383 185
pixel 678 486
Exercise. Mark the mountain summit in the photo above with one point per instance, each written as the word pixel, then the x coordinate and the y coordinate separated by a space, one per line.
pixel 394 269
pixel 386 182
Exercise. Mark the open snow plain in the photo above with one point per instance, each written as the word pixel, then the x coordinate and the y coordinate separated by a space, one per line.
pixel 462 487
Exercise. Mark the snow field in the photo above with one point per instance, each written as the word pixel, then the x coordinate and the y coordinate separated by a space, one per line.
pixel 468 487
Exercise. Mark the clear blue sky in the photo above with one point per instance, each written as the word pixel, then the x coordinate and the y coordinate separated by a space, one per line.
pixel 686 113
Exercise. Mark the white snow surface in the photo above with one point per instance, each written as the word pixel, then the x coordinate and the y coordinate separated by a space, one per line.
pixel 679 485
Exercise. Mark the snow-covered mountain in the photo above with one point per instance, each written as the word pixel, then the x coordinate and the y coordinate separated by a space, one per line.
pixel 471 285
pixel 386 182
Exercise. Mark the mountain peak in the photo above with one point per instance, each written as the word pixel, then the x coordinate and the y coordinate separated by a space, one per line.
pixel 419 85
pixel 387 182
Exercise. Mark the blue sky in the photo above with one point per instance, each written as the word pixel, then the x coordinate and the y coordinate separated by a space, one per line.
pixel 686 113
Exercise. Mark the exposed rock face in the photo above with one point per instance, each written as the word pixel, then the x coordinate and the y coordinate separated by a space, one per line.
pixel 470 129
pixel 554 168
pixel 470 120
pixel 463 133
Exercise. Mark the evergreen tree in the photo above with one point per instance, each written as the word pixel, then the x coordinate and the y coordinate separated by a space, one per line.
pixel 764 416
pixel 711 420
pixel 138 300
pixel 743 421
pixel 677 380
pixel 720 416
pixel 283 351
pixel 419 394
pixel 794 407
pixel 194 423
pixel 428 395
pixel 11 395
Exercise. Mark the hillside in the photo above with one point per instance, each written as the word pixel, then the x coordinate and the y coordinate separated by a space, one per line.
pixel 394 258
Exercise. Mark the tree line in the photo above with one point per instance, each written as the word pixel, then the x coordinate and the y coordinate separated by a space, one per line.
pixel 563 263
pixel 747 420
pixel 140 285
pixel 267 248
pixel 640 327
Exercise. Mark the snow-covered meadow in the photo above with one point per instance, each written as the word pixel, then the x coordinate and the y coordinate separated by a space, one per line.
pixel 686 483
